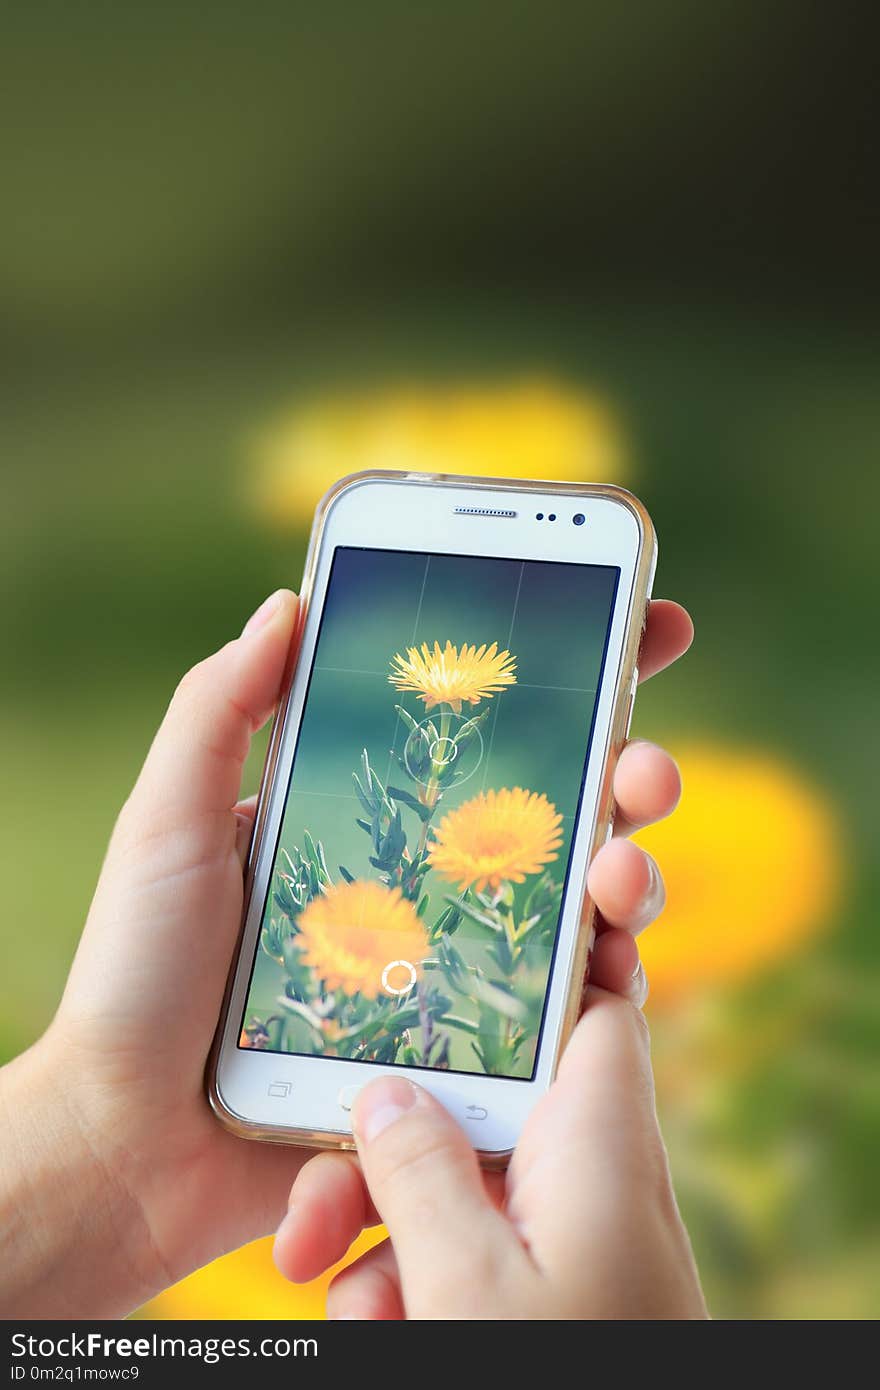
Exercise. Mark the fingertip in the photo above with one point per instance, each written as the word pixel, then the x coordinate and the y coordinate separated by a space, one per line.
pixel 287 1248
pixel 674 619
pixel 415 1152
pixel 280 605
pixel 636 988
pixel 614 960
pixel 381 1104
pixel 682 619
pixel 259 657
pixel 244 829
pixel 647 783
pixel 669 633
pixel 626 886
pixel 328 1210
pixel 367 1290
pixel 617 967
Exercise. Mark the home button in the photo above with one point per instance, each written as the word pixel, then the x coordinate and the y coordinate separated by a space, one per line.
pixel 346 1097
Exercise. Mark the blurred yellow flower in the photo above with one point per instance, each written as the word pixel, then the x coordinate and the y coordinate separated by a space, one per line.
pixel 497 837
pixel 353 932
pixel 247 1285
pixel 449 676
pixel 526 428
pixel 752 864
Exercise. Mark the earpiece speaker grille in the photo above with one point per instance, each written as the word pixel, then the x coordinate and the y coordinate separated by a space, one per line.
pixel 482 511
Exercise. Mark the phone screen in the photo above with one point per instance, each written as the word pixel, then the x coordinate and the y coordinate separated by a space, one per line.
pixel 412 912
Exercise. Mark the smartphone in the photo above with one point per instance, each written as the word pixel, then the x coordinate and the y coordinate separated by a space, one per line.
pixel 438 780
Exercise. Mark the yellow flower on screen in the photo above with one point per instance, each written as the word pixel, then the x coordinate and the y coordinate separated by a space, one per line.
pixel 449 675
pixel 752 865
pixel 497 837
pixel 531 427
pixel 353 934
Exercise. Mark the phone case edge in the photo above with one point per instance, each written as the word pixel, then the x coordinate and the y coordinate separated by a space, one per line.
pixel 578 977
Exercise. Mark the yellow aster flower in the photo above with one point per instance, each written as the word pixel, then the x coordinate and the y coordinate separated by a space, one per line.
pixel 752 865
pixel 497 837
pixel 354 931
pixel 246 1286
pixel 447 676
pixel 521 428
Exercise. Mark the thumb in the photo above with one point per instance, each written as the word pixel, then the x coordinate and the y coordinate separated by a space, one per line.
pixel 593 1136
pixel 171 887
pixel 194 765
pixel 426 1184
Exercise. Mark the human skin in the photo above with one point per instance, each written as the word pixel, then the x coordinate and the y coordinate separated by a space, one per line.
pixel 583 1225
pixel 116 1180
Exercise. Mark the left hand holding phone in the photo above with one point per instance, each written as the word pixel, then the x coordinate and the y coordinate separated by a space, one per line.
pixel 119 1180
pixel 116 1179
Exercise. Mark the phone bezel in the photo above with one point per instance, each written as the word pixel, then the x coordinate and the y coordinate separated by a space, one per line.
pixel 416 512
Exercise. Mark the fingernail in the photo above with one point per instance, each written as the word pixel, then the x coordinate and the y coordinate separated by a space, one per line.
pixel 263 613
pixel 244 829
pixel 638 990
pixel 380 1104
pixel 653 899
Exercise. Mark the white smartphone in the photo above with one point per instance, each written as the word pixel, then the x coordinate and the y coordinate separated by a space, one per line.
pixel 438 780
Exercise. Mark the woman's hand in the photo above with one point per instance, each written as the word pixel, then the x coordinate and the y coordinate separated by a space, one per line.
pixel 116 1179
pixel 584 1224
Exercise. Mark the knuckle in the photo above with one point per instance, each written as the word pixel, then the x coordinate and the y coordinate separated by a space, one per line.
pixel 630 1032
pixel 203 675
pixel 410 1158
pixel 469 1294
pixel 191 682
pixel 361 1291
pixel 638 1024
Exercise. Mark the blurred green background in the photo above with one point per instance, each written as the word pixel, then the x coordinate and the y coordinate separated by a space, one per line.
pixel 211 215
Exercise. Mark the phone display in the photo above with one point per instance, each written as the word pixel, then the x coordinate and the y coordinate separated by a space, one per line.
pixel 412 909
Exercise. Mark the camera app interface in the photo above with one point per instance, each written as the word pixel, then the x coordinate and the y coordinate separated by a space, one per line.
pixel 414 901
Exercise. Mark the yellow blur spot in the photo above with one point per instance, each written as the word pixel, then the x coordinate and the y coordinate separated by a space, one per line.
pixel 752 863
pixel 532 428
pixel 246 1285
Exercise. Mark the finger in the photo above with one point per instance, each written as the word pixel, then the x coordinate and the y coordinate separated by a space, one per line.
pixel 647 786
pixel 194 765
pixel 594 1140
pixel 368 1289
pixel 244 830
pixel 329 1207
pixel 167 907
pixel 626 886
pixel 594 1136
pixel 615 966
pixel 245 814
pixel 426 1185
pixel 669 632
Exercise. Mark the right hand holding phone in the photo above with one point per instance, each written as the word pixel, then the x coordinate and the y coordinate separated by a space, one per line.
pixel 584 1226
